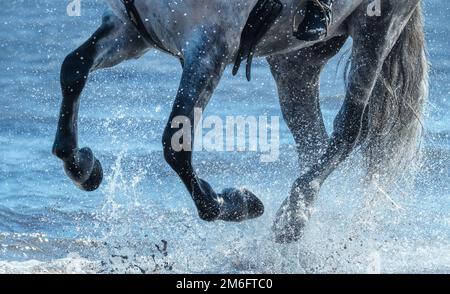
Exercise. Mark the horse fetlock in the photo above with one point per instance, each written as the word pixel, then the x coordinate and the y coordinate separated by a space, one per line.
pixel 62 151
pixel 207 201
pixel 209 214
pixel 84 169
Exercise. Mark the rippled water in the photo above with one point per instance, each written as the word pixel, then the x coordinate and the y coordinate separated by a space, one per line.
pixel 142 220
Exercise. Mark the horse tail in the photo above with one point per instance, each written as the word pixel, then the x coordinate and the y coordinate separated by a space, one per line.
pixel 396 107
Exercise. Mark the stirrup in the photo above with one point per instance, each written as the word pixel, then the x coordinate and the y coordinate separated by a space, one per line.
pixel 327 10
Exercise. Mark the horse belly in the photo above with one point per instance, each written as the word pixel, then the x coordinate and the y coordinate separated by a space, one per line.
pixel 280 37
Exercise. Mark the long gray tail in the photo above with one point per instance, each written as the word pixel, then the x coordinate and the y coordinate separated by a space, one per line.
pixel 397 106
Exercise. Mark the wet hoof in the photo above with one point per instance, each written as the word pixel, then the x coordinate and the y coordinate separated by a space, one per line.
pixel 95 179
pixel 84 169
pixel 295 212
pixel 290 222
pixel 237 205
pixel 232 205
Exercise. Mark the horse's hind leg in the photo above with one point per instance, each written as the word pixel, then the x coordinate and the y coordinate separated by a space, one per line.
pixel 112 43
pixel 297 75
pixel 373 39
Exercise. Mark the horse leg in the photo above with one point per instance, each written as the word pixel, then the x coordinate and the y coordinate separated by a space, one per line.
pixel 203 67
pixel 112 43
pixel 297 76
pixel 374 38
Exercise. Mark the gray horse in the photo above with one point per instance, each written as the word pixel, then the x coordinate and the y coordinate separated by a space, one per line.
pixel 381 114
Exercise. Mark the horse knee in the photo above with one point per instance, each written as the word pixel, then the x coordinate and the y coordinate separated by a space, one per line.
pixel 74 72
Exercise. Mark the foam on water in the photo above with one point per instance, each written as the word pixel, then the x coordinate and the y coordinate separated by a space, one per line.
pixel 349 232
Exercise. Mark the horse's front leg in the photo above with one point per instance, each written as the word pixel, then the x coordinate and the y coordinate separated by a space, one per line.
pixel 112 43
pixel 203 67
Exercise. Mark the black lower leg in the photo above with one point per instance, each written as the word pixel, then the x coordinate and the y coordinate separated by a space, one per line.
pixel 80 164
pixel 180 161
pixel 197 85
pixel 233 205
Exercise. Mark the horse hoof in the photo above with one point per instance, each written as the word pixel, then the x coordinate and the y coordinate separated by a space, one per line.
pixel 84 169
pixel 290 222
pixel 237 205
pixel 95 179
